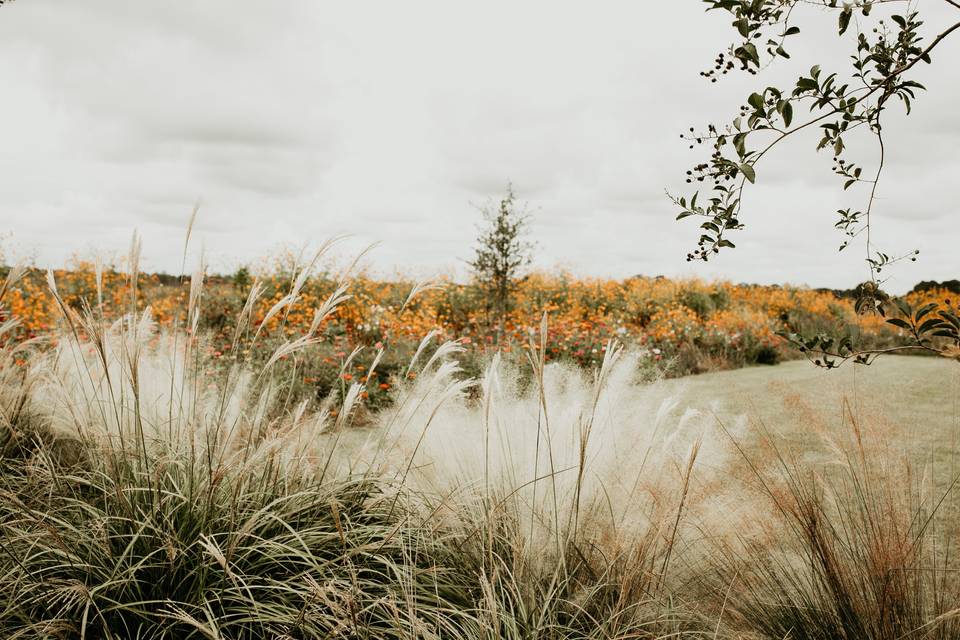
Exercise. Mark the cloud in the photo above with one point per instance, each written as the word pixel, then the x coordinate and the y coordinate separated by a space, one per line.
pixel 294 121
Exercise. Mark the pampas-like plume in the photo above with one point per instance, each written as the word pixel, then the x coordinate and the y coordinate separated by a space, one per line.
pixel 329 306
pixel 98 277
pixel 190 223
pixel 300 279
pixel 246 314
pixel 196 291
pixel 14 275
pixel 346 273
pixel 420 348
pixel 288 348
pixel 418 288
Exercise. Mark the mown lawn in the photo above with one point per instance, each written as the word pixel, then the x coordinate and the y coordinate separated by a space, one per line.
pixel 914 400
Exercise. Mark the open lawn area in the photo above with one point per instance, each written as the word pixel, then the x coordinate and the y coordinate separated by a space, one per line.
pixel 914 400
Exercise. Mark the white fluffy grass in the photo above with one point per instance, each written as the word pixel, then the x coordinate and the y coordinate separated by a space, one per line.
pixel 610 444
pixel 564 452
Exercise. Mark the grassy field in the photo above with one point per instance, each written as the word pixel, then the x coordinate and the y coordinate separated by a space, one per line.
pixel 155 486
pixel 917 398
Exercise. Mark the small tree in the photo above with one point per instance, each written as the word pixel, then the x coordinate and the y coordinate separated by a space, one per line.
pixel 501 255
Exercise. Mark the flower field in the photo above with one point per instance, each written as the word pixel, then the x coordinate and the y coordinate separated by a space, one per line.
pixel 679 326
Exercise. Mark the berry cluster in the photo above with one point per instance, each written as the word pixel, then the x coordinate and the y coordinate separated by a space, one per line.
pixel 722 65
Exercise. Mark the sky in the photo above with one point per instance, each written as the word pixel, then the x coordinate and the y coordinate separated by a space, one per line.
pixel 392 122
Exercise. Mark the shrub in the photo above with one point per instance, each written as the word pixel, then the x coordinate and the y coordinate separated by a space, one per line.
pixel 862 546
pixel 767 354
pixel 699 302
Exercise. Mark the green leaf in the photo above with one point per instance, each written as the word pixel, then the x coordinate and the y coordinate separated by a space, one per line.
pixel 904 306
pixel 924 310
pixel 743 26
pixel 756 101
pixel 951 318
pixel 906 101
pixel 897 322
pixel 787 114
pixel 845 19
pixel 792 31
pixel 748 172
pixel 932 323
pixel 739 141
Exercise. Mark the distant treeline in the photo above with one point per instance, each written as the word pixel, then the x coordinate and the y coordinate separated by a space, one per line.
pixel 952 286
pixel 926 285
pixel 242 276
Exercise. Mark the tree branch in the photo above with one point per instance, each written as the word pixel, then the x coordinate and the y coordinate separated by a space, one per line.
pixel 893 74
pixel 873 194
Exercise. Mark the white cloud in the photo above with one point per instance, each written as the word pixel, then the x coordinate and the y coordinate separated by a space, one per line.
pixel 297 120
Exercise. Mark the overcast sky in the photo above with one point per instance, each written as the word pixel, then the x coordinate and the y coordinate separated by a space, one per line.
pixel 297 120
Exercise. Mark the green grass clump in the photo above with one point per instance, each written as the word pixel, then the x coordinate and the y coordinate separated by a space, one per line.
pixel 169 550
pixel 864 546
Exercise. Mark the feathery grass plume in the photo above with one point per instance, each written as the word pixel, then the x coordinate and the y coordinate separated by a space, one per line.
pixel 189 233
pixel 98 279
pixel 196 292
pixel 424 342
pixel 281 304
pixel 6 329
pixel 345 274
pixel 611 570
pixel 537 357
pixel 329 306
pixel 350 401
pixel 419 287
pixel 372 369
pixel 14 275
pixel 299 279
pixel 289 348
pixel 349 360
pixel 443 352
pixel 133 268
pixel 611 354
pixel 242 324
